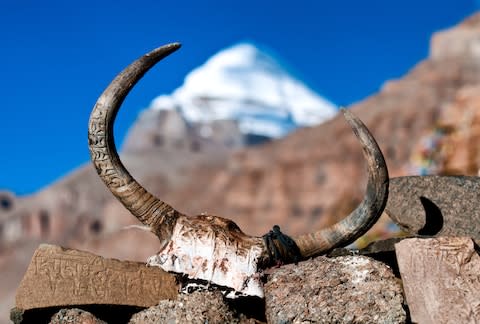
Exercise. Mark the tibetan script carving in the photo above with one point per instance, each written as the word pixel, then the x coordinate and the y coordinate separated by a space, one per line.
pixel 58 276
pixel 441 279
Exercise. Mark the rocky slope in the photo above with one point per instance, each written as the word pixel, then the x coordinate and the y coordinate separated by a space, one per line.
pixel 424 122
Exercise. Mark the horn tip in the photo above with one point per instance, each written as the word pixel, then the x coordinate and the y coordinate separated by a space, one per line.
pixel 175 45
pixel 349 116
pixel 345 112
pixel 164 50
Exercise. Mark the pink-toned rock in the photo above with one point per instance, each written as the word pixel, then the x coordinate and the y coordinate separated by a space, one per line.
pixel 441 279
pixel 352 289
pixel 59 277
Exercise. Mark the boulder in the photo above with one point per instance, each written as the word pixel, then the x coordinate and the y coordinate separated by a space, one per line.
pixel 350 289
pixel 441 279
pixel 197 307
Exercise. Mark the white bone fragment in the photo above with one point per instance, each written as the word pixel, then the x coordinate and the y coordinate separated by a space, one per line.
pixel 213 254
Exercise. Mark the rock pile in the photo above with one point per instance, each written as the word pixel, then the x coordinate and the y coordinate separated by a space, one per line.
pixel 439 282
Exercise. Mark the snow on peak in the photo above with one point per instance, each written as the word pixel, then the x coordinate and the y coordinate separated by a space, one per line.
pixel 245 84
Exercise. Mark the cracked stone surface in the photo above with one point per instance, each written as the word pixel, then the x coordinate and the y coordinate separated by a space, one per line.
pixel 350 289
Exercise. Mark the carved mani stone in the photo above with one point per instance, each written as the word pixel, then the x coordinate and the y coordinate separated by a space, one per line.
pixel 59 277
pixel 441 279
pixel 436 205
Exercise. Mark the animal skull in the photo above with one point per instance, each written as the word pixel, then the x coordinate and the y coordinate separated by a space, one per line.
pixel 209 247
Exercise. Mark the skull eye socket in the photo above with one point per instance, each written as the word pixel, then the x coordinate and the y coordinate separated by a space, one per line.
pixel 232 227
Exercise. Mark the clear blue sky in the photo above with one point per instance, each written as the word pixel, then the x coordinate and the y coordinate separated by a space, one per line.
pixel 56 57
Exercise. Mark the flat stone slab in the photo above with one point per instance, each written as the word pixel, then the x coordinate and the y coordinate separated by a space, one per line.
pixel 59 277
pixel 350 289
pixel 441 279
pixel 436 205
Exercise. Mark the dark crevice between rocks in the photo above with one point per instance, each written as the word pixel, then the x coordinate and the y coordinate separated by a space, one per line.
pixel 108 313
pixel 408 319
pixel 476 247
pixel 250 307
pixel 433 218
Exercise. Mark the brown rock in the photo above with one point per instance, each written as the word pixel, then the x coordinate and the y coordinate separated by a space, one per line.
pixel 337 290
pixel 461 121
pixel 441 279
pixel 74 316
pixel 197 307
pixel 58 277
pixel 436 205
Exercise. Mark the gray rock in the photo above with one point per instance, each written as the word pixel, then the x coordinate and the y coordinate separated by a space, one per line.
pixel 198 307
pixel 350 289
pixel 436 205
pixel 74 316
pixel 441 279
pixel 16 315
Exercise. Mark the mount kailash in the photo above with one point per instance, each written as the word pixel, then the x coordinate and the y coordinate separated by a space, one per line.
pixel 240 96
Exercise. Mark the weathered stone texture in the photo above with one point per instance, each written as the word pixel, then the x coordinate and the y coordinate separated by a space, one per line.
pixel 441 279
pixel 352 289
pixel 58 276
pixel 198 307
pixel 74 316
pixel 436 205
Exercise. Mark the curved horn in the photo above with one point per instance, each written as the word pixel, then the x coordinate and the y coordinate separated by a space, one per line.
pixel 367 213
pixel 151 211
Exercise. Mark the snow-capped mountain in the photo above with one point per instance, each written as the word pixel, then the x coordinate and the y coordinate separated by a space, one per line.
pixel 245 84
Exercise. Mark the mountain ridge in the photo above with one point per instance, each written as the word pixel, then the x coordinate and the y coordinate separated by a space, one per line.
pixel 245 84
